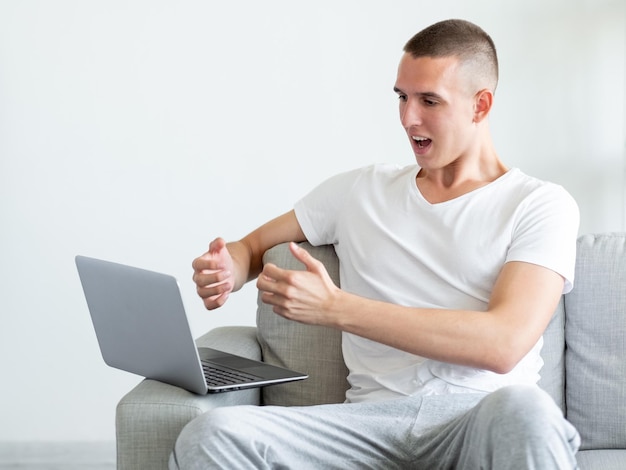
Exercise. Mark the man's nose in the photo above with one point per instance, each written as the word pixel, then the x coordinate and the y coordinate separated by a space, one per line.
pixel 410 114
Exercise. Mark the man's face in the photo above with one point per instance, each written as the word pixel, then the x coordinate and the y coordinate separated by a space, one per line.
pixel 436 109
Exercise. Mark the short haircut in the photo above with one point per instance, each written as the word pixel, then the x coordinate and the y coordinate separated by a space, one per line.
pixel 462 39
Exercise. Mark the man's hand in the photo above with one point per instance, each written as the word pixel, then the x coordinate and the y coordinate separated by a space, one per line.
pixel 304 296
pixel 214 274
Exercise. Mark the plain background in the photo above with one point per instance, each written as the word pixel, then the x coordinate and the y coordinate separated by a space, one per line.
pixel 139 130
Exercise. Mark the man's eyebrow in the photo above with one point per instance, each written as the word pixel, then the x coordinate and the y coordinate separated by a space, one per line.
pixel 423 94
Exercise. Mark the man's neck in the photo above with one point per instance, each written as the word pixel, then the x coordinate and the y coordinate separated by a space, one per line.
pixel 460 177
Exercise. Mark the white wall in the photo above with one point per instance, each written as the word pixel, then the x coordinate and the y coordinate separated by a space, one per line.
pixel 139 130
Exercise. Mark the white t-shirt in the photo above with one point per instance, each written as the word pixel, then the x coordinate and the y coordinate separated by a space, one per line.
pixel 396 247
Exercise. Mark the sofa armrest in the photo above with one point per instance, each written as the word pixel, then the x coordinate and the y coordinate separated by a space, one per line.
pixel 241 340
pixel 150 417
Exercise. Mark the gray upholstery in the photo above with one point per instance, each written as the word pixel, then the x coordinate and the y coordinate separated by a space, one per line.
pixel 595 333
pixel 584 354
pixel 292 345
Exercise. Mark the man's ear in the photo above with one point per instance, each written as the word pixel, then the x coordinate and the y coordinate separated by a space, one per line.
pixel 483 100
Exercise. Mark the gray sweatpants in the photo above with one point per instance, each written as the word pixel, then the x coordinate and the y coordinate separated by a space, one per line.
pixel 516 427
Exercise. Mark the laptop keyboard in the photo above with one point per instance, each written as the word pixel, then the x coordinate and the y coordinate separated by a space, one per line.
pixel 216 376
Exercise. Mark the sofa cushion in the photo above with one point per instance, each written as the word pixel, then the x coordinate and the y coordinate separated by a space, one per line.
pixel 603 459
pixel 291 344
pixel 595 335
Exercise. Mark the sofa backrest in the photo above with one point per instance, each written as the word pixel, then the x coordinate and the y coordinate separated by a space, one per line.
pixel 595 336
pixel 311 349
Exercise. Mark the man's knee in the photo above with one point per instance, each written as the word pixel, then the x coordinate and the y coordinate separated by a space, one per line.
pixel 520 427
pixel 205 425
pixel 521 410
pixel 206 436
pixel 528 415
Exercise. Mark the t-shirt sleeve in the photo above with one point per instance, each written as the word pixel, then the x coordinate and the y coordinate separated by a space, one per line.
pixel 319 211
pixel 546 231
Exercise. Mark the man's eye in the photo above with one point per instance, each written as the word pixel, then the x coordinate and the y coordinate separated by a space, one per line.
pixel 428 102
pixel 402 97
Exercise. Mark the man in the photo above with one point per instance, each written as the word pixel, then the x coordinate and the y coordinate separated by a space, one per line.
pixel 450 272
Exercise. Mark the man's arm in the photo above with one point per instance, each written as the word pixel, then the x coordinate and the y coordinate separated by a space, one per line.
pixel 226 267
pixel 522 302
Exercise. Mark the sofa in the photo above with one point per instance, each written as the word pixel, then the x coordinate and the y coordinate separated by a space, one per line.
pixel 584 354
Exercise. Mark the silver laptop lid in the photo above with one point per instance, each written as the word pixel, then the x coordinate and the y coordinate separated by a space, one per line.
pixel 140 322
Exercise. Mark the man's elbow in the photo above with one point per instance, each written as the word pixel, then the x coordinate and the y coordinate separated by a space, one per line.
pixel 502 366
pixel 504 358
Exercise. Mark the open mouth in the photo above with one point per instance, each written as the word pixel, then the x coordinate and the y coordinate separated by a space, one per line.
pixel 422 142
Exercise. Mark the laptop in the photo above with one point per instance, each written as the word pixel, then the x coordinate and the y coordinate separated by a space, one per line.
pixel 142 327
